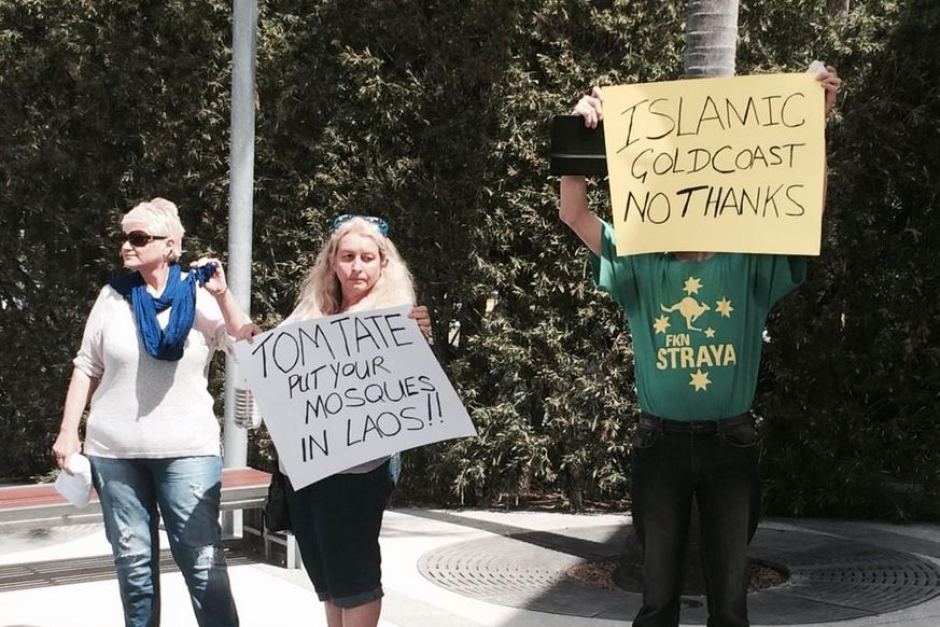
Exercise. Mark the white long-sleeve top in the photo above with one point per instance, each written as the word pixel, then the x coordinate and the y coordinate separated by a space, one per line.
pixel 145 407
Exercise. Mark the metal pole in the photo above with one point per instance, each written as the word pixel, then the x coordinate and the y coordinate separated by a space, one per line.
pixel 241 187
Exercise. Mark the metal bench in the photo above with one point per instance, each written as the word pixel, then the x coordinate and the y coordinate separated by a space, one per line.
pixel 40 506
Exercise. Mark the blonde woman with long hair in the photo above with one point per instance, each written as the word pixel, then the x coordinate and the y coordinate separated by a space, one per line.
pixel 337 520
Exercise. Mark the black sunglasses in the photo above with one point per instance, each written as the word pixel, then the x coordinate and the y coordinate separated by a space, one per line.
pixel 137 239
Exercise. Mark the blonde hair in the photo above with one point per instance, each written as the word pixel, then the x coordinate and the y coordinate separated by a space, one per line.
pixel 320 292
pixel 161 218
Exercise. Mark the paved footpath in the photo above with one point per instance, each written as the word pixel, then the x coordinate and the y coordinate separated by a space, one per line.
pixel 496 569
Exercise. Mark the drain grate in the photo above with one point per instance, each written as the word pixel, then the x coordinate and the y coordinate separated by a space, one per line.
pixel 857 575
pixel 833 577
pixel 502 566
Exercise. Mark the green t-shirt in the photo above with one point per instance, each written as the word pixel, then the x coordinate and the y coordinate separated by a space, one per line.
pixel 697 326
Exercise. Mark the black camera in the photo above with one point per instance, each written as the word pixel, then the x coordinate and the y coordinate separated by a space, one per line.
pixel 577 149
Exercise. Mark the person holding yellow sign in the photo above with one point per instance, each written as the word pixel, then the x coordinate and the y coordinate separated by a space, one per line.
pixel 697 321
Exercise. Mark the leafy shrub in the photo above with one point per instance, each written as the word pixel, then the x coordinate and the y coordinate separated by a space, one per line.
pixel 435 115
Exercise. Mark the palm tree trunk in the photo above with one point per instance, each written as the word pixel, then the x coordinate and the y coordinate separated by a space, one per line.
pixel 711 38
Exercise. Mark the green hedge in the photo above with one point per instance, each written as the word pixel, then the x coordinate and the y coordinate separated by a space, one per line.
pixel 434 115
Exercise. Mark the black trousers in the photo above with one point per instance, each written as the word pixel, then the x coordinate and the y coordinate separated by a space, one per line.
pixel 336 522
pixel 716 462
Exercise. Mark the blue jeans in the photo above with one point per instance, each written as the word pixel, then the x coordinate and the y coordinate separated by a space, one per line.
pixel 716 462
pixel 187 491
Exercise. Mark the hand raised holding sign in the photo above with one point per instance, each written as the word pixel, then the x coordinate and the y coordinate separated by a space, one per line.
pixel 830 81
pixel 420 315
pixel 247 331
pixel 591 107
pixel 829 78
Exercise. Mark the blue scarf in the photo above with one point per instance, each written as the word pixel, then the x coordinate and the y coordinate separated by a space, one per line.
pixel 178 295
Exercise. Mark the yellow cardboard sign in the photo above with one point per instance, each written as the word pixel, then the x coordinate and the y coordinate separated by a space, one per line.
pixel 717 164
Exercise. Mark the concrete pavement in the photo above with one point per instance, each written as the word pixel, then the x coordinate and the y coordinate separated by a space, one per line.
pixel 489 569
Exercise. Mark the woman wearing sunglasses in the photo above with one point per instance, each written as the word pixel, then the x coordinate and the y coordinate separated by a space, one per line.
pixel 337 520
pixel 152 436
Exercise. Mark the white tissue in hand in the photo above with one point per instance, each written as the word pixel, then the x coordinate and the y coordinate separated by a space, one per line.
pixel 816 67
pixel 75 487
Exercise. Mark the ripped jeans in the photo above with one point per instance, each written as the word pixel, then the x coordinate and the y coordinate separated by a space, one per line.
pixel 187 491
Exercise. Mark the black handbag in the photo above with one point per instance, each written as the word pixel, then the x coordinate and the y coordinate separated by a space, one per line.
pixel 276 512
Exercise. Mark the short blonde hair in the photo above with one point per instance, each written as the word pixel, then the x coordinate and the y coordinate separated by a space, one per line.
pixel 161 217
pixel 320 292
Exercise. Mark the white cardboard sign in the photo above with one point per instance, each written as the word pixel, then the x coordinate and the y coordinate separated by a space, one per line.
pixel 342 390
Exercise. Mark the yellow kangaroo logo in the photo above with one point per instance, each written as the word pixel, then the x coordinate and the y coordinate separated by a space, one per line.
pixel 690 309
